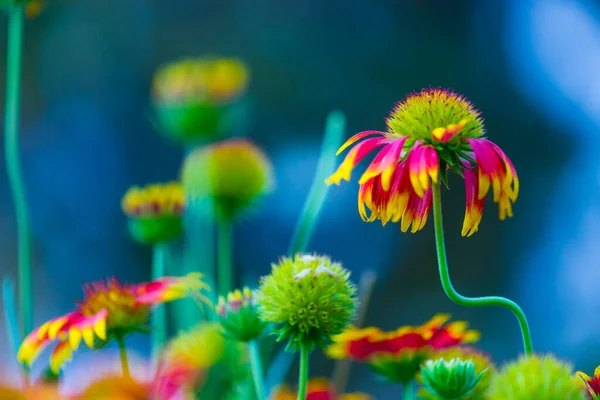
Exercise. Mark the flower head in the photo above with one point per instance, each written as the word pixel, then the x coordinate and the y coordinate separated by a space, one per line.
pixel 535 378
pixel 238 316
pixel 31 392
pixel 316 389
pixel 481 362
pixel 115 388
pixel 591 385
pixel 186 359
pixel 109 310
pixel 193 98
pixel 450 379
pixel 309 297
pixel 155 212
pixel 398 354
pixel 428 133
pixel 231 175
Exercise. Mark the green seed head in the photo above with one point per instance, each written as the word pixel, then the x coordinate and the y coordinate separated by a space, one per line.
pixel 450 380
pixel 535 378
pixel 238 316
pixel 309 298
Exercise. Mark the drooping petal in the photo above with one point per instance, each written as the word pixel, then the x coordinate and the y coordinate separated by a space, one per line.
pixel 353 157
pixel 31 347
pixel 384 163
pixel 169 288
pixel 474 205
pixel 423 166
pixel 61 354
pixel 356 138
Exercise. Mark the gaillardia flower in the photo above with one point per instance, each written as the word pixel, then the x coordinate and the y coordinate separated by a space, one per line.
pixel 238 316
pixel 428 133
pixel 194 99
pixel 232 175
pixel 155 212
pixel 397 355
pixel 591 385
pixel 481 362
pixel 309 298
pixel 535 378
pixel 317 389
pixel 110 310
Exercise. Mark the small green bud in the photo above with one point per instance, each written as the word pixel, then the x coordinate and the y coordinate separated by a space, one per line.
pixel 238 316
pixel 450 380
pixel 535 378
pixel 309 298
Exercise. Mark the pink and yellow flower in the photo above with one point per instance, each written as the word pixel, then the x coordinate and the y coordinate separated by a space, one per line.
pixel 317 389
pixel 109 310
pixel 591 385
pixel 428 133
pixel 398 354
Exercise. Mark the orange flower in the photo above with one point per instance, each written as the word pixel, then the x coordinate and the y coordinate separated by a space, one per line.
pixel 398 354
pixel 109 310
pixel 317 389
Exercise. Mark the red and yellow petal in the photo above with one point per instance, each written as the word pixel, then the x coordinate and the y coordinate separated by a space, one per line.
pixel 474 205
pixel 61 354
pixel 423 164
pixel 384 163
pixel 169 288
pixel 354 156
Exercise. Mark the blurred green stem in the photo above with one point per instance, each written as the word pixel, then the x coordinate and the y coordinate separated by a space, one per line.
pixel 488 301
pixel 409 391
pixel 303 377
pixel 159 315
pixel 13 165
pixel 334 132
pixel 224 256
pixel 257 371
pixel 123 354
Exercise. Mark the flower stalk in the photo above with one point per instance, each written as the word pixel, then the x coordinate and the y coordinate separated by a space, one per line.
pixel 13 167
pixel 159 317
pixel 303 376
pixel 409 391
pixel 224 255
pixel 123 354
pixel 257 370
pixel 488 301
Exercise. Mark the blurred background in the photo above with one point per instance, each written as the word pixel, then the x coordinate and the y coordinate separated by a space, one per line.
pixel 531 67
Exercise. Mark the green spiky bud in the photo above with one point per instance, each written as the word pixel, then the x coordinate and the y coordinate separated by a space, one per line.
pixel 231 176
pixel 535 378
pixel 309 298
pixel 238 316
pixel 450 380
pixel 481 361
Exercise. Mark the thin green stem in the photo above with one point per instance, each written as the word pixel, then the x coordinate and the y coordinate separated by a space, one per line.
pixel 13 165
pixel 159 315
pixel 303 376
pixel 409 391
pixel 257 370
pixel 123 354
pixel 488 301
pixel 224 256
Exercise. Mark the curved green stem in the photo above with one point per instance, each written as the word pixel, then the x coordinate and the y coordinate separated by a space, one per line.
pixel 303 377
pixel 257 371
pixel 159 315
pixel 488 301
pixel 409 391
pixel 13 167
pixel 224 256
pixel 123 354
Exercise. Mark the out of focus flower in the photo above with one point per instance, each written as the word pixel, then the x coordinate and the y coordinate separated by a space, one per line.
pixel 34 8
pixel 155 212
pixel 428 133
pixel 317 389
pixel 238 316
pixel 450 379
pixel 186 359
pixel 110 310
pixel 193 98
pixel 115 388
pixel 32 392
pixel 535 378
pixel 397 355
pixel 591 385
pixel 231 175
pixel 481 361
pixel 309 297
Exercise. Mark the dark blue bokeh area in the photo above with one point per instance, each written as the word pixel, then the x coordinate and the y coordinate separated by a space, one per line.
pixel 530 67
